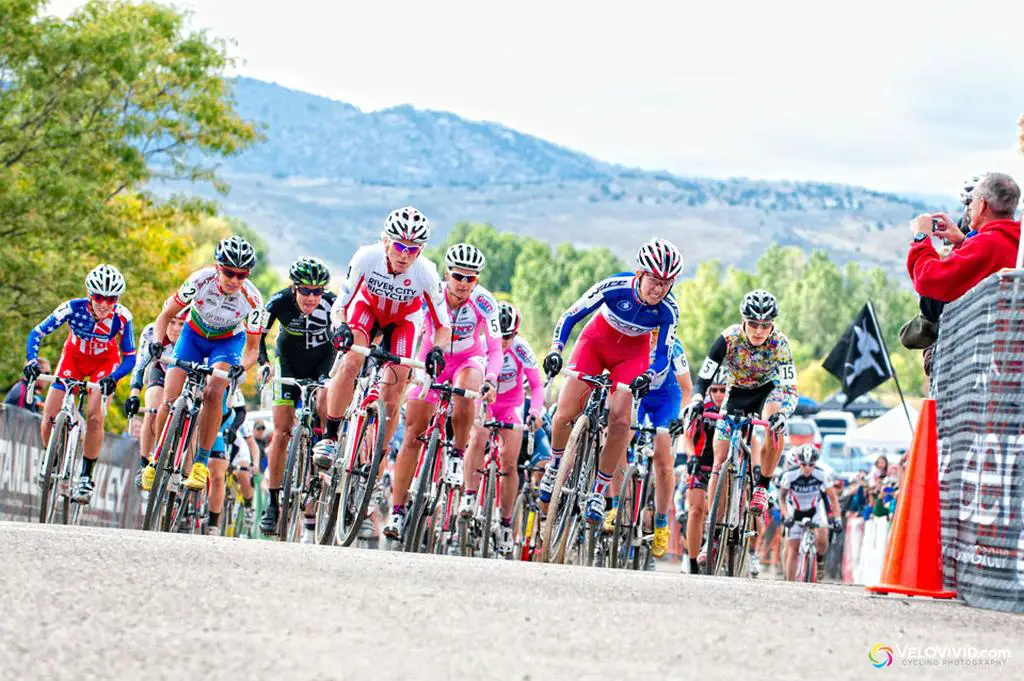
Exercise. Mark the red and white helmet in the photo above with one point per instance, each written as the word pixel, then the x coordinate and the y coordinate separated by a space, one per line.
pixel 660 258
pixel 407 224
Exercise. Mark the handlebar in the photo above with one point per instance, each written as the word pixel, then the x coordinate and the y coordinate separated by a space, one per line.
pixel 193 367
pixel 501 425
pixel 601 379
pixel 299 382
pixel 380 353
pixel 711 416
pixel 50 378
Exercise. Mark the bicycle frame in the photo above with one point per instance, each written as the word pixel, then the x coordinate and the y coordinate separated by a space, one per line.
pixel 807 563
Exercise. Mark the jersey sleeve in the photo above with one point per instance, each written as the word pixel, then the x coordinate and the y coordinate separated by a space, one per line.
pixel 488 308
pixel 666 334
pixel 269 317
pixel 531 369
pixel 139 371
pixel 255 320
pixel 587 303
pixel 710 367
pixel 785 377
pixel 433 296
pixel 680 367
pixel 54 321
pixel 186 293
pixel 352 281
pixel 127 345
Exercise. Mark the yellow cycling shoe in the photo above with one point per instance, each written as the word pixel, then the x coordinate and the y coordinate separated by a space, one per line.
pixel 148 475
pixel 660 544
pixel 609 520
pixel 197 476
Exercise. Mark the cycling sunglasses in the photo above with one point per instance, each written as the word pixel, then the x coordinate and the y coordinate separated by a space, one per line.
pixel 716 390
pixel 471 278
pixel 307 291
pixel 107 300
pixel 240 275
pixel 761 326
pixel 402 248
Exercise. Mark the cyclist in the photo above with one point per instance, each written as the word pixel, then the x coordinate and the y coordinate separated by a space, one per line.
pixel 660 407
pixel 100 346
pixel 617 338
pixel 759 362
pixel 386 286
pixel 806 488
pixel 224 328
pixel 224 452
pixel 698 467
pixel 472 356
pixel 151 375
pixel 518 363
pixel 304 350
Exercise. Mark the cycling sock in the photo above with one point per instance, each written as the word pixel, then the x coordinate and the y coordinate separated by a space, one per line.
pixel 506 522
pixel 661 520
pixel 274 493
pixel 764 481
pixel 612 502
pixel 601 482
pixel 247 502
pixel 556 457
pixel 309 523
pixel 333 425
pixel 694 568
pixel 458 452
pixel 212 518
pixel 143 461
pixel 469 493
pixel 202 456
pixel 87 465
pixel 398 510
pixel 756 475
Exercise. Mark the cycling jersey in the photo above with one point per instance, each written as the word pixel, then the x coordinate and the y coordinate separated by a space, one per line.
pixel 148 372
pixel 704 448
pixel 305 340
pixel 393 295
pixel 678 365
pixel 519 362
pixel 622 314
pixel 804 491
pixel 89 340
pixel 215 314
pixel 751 367
pixel 475 330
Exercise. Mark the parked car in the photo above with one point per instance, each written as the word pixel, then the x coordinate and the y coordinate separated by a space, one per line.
pixel 834 422
pixel 803 432
pixel 844 461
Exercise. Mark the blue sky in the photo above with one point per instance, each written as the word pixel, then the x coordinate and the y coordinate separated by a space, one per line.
pixel 904 95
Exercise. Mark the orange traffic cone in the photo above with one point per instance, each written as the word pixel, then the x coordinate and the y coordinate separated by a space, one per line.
pixel 913 556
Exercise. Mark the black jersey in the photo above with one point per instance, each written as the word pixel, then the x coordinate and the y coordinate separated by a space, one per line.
pixel 304 339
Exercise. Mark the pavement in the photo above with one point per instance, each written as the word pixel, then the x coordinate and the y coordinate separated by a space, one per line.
pixel 88 603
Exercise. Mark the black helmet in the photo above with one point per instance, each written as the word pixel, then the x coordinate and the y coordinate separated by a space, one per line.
pixel 760 306
pixel 309 272
pixel 508 317
pixel 235 252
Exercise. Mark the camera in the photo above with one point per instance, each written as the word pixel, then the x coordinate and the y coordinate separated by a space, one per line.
pixel 935 224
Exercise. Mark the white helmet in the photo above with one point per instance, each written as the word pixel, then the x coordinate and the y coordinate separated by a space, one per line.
pixel 760 306
pixel 508 318
pixel 235 252
pixel 407 224
pixel 660 258
pixel 464 256
pixel 105 280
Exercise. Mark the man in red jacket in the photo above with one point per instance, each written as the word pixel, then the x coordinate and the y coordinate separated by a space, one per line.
pixel 992 244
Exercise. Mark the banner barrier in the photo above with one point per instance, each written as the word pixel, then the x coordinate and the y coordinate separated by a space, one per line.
pixel 116 501
pixel 979 389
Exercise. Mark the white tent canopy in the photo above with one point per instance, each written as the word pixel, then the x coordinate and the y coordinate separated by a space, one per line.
pixel 888 431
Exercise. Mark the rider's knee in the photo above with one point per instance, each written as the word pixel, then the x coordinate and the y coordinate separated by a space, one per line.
pixel 93 421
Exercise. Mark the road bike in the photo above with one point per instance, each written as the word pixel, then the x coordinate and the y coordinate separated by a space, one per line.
pixel 807 553
pixel 633 532
pixel 63 457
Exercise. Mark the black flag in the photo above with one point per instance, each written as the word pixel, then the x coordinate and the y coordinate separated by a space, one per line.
pixel 858 360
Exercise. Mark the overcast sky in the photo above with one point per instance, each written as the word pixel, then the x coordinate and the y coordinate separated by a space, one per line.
pixel 901 95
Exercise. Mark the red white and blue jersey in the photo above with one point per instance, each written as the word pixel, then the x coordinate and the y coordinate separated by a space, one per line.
pixel 620 306
pixel 89 336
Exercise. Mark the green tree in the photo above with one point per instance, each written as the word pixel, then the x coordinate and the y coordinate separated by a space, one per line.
pixel 501 249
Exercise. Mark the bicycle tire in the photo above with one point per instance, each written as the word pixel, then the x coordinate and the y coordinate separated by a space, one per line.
pixel 574 522
pixel 647 513
pixel 54 456
pixel 714 536
pixel 486 533
pixel 293 461
pixel 227 514
pixel 747 529
pixel 374 425
pixel 623 529
pixel 158 492
pixel 810 564
pixel 520 518
pixel 71 511
pixel 414 527
pixel 548 551
pixel 328 500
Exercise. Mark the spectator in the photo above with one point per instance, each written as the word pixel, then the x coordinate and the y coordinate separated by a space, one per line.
pixel 991 210
pixel 878 471
pixel 259 433
pixel 17 396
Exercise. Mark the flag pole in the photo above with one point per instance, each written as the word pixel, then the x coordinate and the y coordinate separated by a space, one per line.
pixel 888 363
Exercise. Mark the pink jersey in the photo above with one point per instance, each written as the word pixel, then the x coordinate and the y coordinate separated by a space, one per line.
pixel 517 362
pixel 475 330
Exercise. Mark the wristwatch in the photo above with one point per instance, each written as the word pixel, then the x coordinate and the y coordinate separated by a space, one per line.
pixel 919 237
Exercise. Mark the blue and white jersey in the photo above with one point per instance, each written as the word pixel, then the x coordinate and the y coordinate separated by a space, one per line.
pixel 621 307
pixel 677 367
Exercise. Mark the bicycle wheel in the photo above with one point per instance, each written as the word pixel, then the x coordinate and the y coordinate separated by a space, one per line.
pixel 226 523
pixel 747 530
pixel 358 484
pixel 486 531
pixel 810 564
pixel 327 502
pixel 416 519
pixel 574 549
pixel 53 460
pixel 291 488
pixel 159 493
pixel 520 526
pixel 716 532
pixel 622 534
pixel 562 504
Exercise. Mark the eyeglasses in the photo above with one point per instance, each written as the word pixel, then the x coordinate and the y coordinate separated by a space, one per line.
pixel 471 278
pixel 658 281
pixel 402 248
pixel 307 291
pixel 716 390
pixel 104 300
pixel 240 275
pixel 760 326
